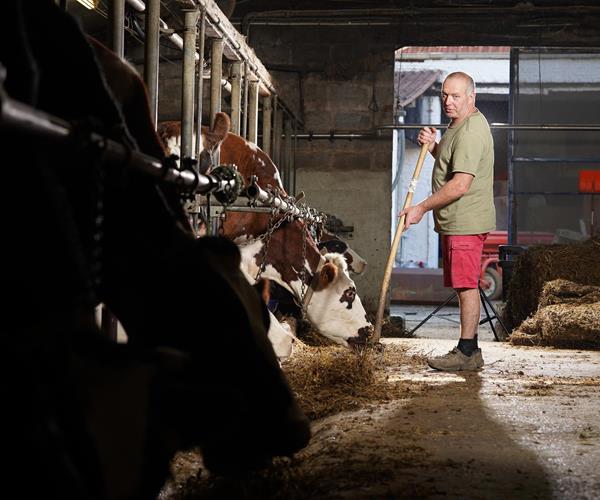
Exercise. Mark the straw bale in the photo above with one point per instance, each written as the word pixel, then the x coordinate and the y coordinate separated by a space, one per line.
pixel 569 324
pixel 579 263
pixel 566 292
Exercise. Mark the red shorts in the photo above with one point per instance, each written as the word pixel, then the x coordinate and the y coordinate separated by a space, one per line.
pixel 462 259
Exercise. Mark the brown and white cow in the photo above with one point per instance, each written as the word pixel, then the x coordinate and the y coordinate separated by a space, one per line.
pixel 333 307
pixel 250 161
pixel 92 246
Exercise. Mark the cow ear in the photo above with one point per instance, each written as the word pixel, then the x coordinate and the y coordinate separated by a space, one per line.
pixel 328 274
pixel 221 126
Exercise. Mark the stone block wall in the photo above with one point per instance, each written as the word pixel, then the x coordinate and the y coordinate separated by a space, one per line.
pixel 337 79
pixel 346 76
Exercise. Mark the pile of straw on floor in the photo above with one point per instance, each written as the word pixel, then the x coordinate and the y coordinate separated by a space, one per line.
pixel 568 316
pixel 331 379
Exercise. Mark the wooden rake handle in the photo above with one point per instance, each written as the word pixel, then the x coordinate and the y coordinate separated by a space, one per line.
pixel 395 244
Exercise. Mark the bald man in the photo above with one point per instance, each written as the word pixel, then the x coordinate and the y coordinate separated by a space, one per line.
pixel 462 201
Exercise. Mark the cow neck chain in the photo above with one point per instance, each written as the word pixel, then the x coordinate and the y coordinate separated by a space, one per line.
pixel 266 237
pixel 303 305
pixel 305 292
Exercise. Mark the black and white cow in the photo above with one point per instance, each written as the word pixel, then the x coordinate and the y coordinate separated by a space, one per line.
pixel 79 232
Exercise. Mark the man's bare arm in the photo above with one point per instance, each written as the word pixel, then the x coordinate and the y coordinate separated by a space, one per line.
pixel 454 189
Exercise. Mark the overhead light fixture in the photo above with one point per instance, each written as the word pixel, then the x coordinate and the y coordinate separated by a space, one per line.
pixel 89 4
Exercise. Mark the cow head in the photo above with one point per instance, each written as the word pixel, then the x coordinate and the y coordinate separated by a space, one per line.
pixel 326 289
pixel 330 243
pixel 334 307
pixel 170 135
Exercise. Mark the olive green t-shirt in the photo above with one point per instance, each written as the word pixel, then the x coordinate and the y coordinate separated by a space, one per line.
pixel 468 148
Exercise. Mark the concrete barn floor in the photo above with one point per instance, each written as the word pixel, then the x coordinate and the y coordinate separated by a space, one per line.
pixel 525 427
pixel 442 325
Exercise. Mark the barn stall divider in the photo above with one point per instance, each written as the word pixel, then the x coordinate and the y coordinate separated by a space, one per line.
pixel 222 181
pixel 249 83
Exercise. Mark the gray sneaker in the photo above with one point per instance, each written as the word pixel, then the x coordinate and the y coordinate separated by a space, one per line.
pixel 457 361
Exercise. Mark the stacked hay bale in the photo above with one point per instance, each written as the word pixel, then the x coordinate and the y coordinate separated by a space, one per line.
pixel 559 283
pixel 568 316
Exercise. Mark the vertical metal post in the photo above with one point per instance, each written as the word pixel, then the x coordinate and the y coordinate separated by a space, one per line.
pixel 116 37
pixel 187 82
pixel 294 190
pixel 200 81
pixel 244 128
pixel 288 155
pixel 216 74
pixel 512 199
pixel 277 133
pixel 116 26
pixel 274 134
pixel 236 96
pixel 253 112
pixel 266 125
pixel 151 54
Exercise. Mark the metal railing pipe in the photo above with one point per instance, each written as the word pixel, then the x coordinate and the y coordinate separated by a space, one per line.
pixel 256 194
pixel 22 118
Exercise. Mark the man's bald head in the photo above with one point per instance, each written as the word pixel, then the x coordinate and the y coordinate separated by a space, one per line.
pixel 469 82
pixel 458 96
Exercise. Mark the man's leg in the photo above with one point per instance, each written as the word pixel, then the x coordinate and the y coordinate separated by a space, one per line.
pixel 462 265
pixel 469 306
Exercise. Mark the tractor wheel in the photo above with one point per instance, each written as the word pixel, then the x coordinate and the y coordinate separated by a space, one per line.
pixel 493 278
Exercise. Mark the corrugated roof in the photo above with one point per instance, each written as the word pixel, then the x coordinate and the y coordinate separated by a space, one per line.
pixel 459 49
pixel 412 84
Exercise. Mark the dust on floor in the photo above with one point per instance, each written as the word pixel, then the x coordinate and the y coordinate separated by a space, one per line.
pixel 524 427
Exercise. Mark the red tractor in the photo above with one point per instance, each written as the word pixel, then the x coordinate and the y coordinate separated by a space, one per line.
pixel 491 272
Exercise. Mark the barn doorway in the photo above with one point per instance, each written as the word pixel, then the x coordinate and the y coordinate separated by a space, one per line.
pixel 548 100
pixel 417 284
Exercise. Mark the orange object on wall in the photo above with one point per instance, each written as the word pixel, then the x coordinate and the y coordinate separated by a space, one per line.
pixel 589 181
